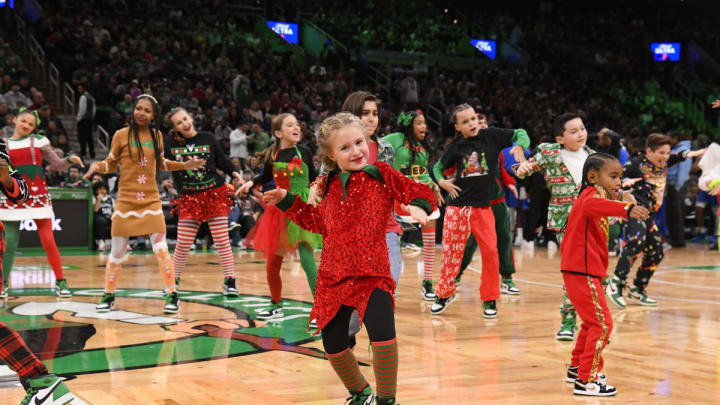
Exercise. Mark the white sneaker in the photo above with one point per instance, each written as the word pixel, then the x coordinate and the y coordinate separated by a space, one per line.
pixel 100 245
pixel 594 389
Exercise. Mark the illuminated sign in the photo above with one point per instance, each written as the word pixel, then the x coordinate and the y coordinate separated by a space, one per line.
pixel 288 31
pixel 665 51
pixel 487 47
pixel 4 3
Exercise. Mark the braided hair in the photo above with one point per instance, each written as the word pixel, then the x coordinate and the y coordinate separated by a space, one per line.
pixel 155 134
pixel 594 162
pixel 409 133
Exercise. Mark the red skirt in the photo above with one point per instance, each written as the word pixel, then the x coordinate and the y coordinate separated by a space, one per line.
pixel 206 205
pixel 269 235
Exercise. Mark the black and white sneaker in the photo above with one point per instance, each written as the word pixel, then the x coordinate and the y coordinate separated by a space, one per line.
pixel 274 311
pixel 172 303
pixel 229 289
pixel 489 309
pixel 440 304
pixel 594 389
pixel 106 304
pixel 572 375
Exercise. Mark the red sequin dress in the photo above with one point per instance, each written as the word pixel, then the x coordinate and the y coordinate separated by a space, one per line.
pixel 352 218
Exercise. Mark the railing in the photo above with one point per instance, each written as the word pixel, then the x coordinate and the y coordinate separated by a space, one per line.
pixel 21 30
pixel 68 101
pixel 695 109
pixel 54 81
pixel 327 35
pixel 434 115
pixel 103 139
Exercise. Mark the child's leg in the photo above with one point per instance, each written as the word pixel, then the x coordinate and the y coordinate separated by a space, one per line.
pixel 393 244
pixel 12 235
pixel 272 271
pixel 456 229
pixel 589 301
pixel 579 345
pixel 482 223
pixel 635 234
pixel 16 354
pixel 380 323
pixel 219 231
pixel 118 247
pixel 187 229
pixel 468 254
pixel 47 240
pixel 504 239
pixel 160 249
pixel 653 255
pixel 428 237
pixel 335 341
pixel 307 262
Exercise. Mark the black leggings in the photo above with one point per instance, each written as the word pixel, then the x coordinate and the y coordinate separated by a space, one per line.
pixel 379 321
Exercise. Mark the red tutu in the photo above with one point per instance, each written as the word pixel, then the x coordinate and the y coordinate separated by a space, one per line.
pixel 206 205
pixel 270 235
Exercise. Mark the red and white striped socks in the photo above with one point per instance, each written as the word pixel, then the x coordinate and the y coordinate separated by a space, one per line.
pixel 187 230
pixel 428 236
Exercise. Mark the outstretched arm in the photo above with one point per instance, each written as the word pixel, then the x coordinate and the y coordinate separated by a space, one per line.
pixel 303 214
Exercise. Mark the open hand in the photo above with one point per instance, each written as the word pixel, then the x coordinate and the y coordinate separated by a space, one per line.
pixel 522 169
pixel 629 182
pixel 417 214
pixel 450 187
pixel 518 153
pixel 76 159
pixel 639 212
pixel 194 163
pixel 696 153
pixel 273 197
pixel 245 188
pixel 313 197
pixel 716 104
pixel 94 166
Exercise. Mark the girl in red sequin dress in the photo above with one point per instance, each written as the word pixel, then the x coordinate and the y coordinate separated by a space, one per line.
pixel 354 269
pixel 291 167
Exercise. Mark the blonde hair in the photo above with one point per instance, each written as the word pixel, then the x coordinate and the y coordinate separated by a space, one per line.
pixel 327 131
pixel 174 131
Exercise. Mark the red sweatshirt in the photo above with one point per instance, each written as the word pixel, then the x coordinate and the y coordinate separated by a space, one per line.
pixel 585 245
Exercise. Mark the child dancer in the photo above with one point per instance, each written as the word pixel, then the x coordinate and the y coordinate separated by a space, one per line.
pixel 710 179
pixel 561 164
pixel 584 263
pixel 138 150
pixel 204 195
pixel 412 155
pixel 292 169
pixel 474 159
pixel 27 151
pixel 14 351
pixel 648 176
pixel 354 269
pixel 502 222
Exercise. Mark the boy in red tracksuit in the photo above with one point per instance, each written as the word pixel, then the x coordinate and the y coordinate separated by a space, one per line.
pixel 584 264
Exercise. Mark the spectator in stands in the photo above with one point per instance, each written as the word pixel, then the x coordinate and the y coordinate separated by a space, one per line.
pixel 103 207
pixel 219 111
pixel 63 145
pixel 85 121
pixel 53 132
pixel 75 178
pixel 53 177
pixel 239 143
pixel 9 128
pixel 258 141
pixel 38 101
pixel 255 112
pixel 677 175
pixel 242 218
pixel 124 108
pixel 15 98
pixel 222 131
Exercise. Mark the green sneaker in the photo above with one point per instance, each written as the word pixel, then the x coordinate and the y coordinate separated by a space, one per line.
pixel 47 389
pixel 364 397
pixel 386 401
pixel 172 303
pixel 507 286
pixel 62 289
pixel 567 329
pixel 639 297
pixel 489 309
pixel 274 311
pixel 106 304
pixel 614 291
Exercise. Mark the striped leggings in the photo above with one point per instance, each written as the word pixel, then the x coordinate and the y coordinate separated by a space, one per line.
pixel 187 230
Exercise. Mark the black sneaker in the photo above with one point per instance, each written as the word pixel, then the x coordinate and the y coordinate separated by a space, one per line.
pixel 593 389
pixel 172 303
pixel 229 289
pixel 426 289
pixel 386 401
pixel 572 375
pixel 440 304
pixel 106 304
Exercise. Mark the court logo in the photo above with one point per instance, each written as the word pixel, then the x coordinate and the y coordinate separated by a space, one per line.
pixel 71 338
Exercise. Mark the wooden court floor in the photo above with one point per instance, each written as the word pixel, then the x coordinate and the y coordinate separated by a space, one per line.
pixel 214 352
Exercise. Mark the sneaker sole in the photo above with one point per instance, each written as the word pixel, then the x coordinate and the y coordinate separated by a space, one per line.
pixel 64 295
pixel 489 316
pixel 643 304
pixel 570 380
pixel 565 339
pixel 508 292
pixel 592 394
pixel 171 311
pixel 269 318
pixel 231 294
pixel 429 298
pixel 447 304
pixel 611 299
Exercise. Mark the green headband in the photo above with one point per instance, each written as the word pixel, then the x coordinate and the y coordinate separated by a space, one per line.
pixel 33 112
